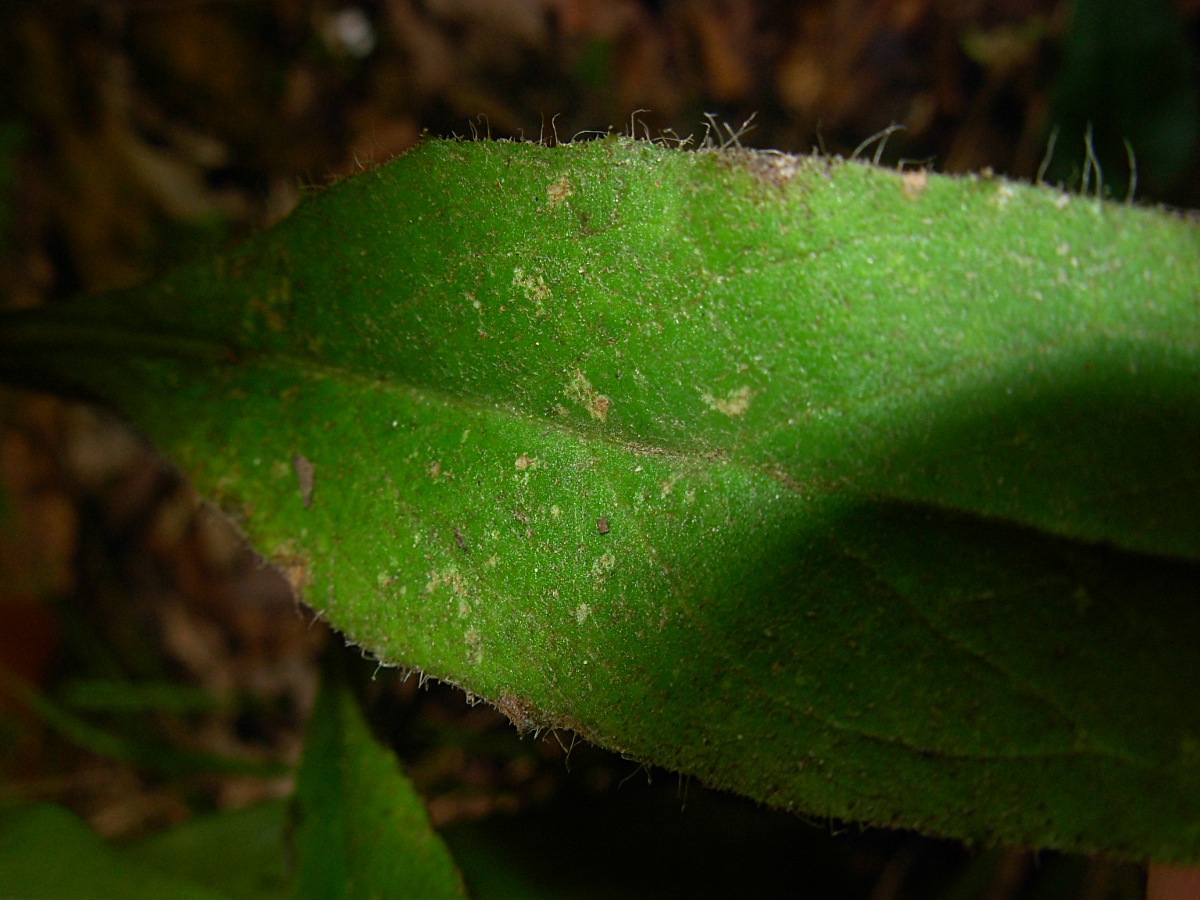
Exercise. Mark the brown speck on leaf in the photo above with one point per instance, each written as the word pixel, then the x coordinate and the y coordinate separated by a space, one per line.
pixel 914 182
pixel 295 571
pixel 602 524
pixel 458 539
pixel 520 712
pixel 304 476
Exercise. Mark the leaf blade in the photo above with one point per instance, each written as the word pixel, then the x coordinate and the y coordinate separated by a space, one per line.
pixel 362 829
pixel 47 852
pixel 829 419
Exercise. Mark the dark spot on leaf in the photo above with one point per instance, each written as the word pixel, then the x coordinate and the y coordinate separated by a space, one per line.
pixel 602 524
pixel 458 539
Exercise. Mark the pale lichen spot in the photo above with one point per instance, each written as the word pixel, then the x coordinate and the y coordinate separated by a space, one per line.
pixel 555 512
pixel 559 191
pixel 774 168
pixel 914 182
pixel 1004 193
pixel 452 580
pixel 581 390
pixel 525 461
pixel 474 649
pixel 582 611
pixel 602 567
pixel 535 288
pixel 735 403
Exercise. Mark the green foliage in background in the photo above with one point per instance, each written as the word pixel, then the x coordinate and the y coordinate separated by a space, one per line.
pixel 860 493
pixel 361 828
pixel 355 828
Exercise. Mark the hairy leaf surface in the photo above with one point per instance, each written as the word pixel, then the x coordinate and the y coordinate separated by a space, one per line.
pixel 863 493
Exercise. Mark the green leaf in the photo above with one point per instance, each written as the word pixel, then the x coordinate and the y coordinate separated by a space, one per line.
pixel 249 845
pixel 362 829
pixel 46 852
pixel 867 494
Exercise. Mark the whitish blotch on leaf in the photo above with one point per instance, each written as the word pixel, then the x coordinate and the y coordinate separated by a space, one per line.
pixel 580 389
pixel 535 289
pixel 733 404
pixel 914 182
pixel 559 191
pixel 304 476
pixel 452 580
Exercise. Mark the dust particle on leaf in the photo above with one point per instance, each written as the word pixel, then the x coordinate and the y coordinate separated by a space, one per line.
pixel 734 403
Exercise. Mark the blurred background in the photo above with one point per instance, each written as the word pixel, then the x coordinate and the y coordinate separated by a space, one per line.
pixel 151 668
